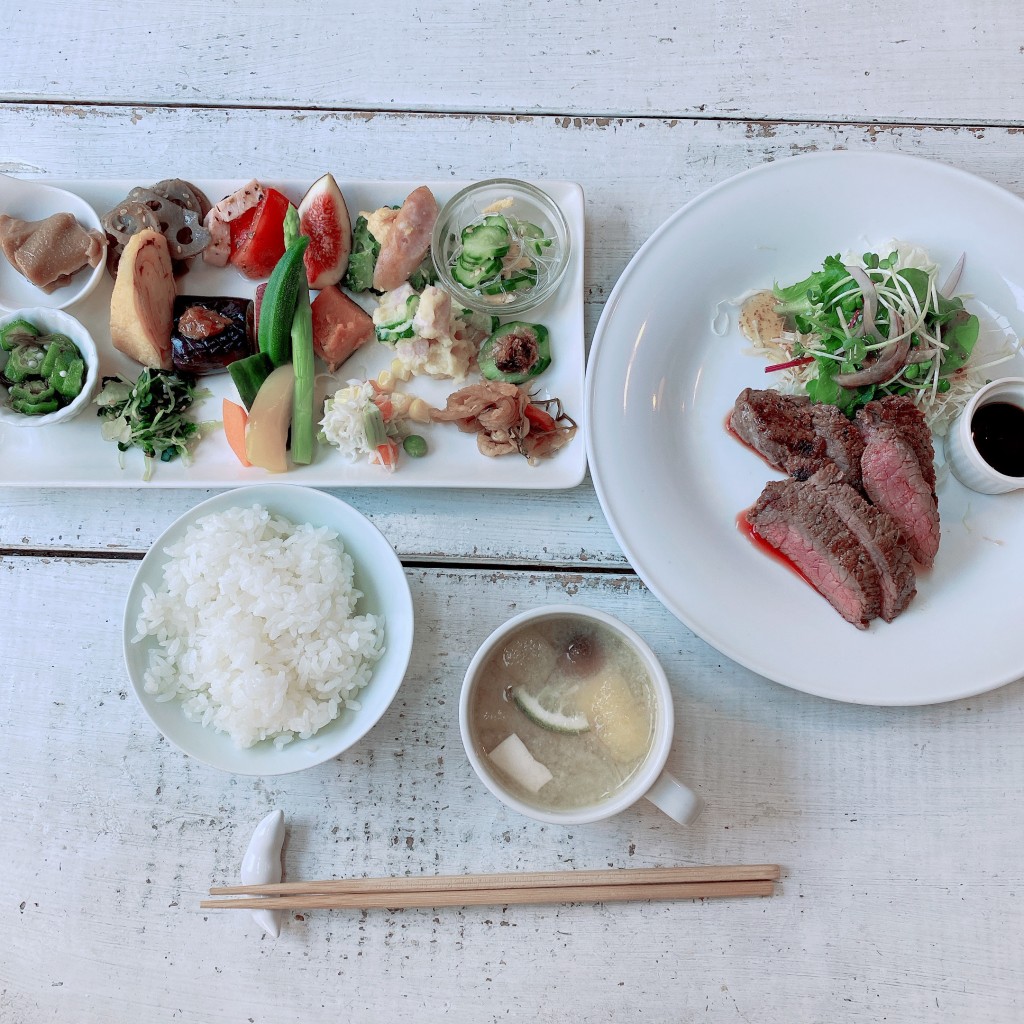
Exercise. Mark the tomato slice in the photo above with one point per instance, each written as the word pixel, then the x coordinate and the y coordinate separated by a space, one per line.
pixel 257 237
pixel 540 421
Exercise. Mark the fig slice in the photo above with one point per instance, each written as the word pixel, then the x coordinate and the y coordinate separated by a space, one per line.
pixel 324 217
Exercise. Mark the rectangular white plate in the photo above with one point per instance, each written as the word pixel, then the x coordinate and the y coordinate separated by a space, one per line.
pixel 75 455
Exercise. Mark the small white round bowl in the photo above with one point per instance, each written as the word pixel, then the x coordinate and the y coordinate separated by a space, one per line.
pixel 962 454
pixel 529 203
pixel 378 574
pixel 54 321
pixel 35 200
pixel 650 780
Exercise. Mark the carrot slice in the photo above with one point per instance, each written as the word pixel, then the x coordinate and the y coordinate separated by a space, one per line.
pixel 235 419
pixel 386 456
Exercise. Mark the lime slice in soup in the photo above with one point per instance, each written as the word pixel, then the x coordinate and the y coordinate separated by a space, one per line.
pixel 551 709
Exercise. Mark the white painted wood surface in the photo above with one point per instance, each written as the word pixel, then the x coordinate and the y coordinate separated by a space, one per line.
pixel 872 61
pixel 900 830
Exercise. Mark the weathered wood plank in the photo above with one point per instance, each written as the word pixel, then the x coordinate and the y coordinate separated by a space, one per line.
pixel 913 61
pixel 635 173
pixel 896 828
pixel 508 527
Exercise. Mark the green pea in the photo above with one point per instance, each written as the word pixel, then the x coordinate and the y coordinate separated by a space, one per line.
pixel 415 446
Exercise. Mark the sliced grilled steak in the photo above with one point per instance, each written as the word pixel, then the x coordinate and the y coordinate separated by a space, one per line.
pixel 780 429
pixel 895 480
pixel 880 536
pixel 843 442
pixel 794 435
pixel 797 520
pixel 908 421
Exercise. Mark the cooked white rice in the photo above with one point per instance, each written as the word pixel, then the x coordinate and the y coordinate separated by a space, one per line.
pixel 255 627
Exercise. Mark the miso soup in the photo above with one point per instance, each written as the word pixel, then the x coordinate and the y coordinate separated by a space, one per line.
pixel 563 712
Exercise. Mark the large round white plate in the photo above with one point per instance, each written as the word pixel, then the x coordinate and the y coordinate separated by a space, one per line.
pixel 672 481
pixel 378 575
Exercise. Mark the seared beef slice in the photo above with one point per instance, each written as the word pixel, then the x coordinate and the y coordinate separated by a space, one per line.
pixel 900 413
pixel 780 429
pixel 899 472
pixel 797 520
pixel 843 442
pixel 880 536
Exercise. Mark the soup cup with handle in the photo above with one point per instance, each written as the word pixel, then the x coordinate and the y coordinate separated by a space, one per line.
pixel 650 780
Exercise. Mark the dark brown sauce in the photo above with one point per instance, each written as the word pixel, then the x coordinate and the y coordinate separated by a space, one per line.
pixel 998 433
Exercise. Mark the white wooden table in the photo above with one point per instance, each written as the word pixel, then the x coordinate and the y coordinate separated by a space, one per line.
pixel 900 830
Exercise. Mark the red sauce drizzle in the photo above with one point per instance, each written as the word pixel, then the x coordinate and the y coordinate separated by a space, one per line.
pixel 749 447
pixel 765 548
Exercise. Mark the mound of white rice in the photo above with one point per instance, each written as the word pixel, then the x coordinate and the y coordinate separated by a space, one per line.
pixel 255 627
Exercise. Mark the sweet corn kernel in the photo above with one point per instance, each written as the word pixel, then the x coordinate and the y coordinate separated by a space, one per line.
pixel 419 411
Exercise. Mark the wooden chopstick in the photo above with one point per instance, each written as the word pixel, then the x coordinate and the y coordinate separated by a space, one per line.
pixel 484 897
pixel 606 885
pixel 510 880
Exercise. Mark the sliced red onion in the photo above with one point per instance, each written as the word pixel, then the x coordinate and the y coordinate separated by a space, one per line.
pixel 892 360
pixel 867 288
pixel 949 286
pixel 896 325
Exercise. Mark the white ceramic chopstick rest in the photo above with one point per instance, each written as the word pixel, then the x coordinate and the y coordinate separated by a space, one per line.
pixel 262 865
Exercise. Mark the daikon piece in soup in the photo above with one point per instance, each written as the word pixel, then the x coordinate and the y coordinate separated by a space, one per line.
pixel 563 712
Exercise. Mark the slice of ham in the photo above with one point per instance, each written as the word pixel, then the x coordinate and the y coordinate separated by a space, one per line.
pixel 407 241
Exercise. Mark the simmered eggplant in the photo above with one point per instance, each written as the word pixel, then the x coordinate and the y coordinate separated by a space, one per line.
pixel 211 331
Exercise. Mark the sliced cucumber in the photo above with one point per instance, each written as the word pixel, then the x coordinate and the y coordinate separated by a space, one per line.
pixel 392 323
pixel 489 240
pixel 534 239
pixel 519 281
pixel 533 706
pixel 472 276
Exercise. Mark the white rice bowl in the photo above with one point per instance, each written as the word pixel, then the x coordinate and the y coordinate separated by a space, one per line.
pixel 256 622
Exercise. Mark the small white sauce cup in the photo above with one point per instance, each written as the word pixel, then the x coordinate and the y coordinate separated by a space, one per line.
pixel 650 780
pixel 962 453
